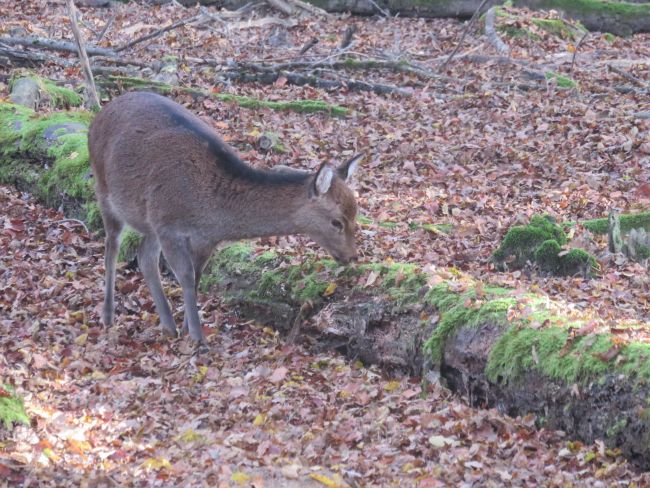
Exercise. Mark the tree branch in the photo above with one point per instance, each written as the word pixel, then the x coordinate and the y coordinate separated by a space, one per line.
pixel 93 98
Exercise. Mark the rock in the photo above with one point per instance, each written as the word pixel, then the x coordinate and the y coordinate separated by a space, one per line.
pixel 26 92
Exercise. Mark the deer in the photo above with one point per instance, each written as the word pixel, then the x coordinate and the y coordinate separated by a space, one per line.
pixel 164 172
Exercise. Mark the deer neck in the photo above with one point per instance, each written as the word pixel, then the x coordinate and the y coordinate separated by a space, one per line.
pixel 269 210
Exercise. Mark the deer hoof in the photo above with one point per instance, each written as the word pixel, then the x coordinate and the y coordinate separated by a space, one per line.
pixel 170 332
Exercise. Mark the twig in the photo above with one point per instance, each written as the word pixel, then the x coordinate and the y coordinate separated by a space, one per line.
pixel 308 45
pixel 628 76
pixel 575 52
pixel 295 329
pixel 83 57
pixel 173 26
pixel 105 29
pixel 460 43
pixel 491 32
pixel 384 12
pixel 75 221
pixel 347 36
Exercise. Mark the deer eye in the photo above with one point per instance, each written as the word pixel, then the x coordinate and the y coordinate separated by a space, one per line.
pixel 338 224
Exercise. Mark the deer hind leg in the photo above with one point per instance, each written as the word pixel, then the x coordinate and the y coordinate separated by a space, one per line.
pixel 179 256
pixel 113 227
pixel 148 260
pixel 199 259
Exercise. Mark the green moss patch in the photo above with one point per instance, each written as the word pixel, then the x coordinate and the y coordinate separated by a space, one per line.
pixel 561 80
pixel 541 242
pixel 628 222
pixel 539 335
pixel 303 106
pixel 469 308
pixel 129 245
pixel 559 355
pixel 59 96
pixel 270 277
pixel 49 152
pixel 12 409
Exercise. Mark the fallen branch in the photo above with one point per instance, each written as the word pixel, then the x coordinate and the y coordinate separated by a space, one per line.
pixel 301 80
pixel 55 45
pixel 350 63
pixel 491 32
pixel 157 33
pixel 628 76
pixel 29 58
pixel 93 98
pixel 313 9
pixel 107 26
pixel 460 43
pixel 281 6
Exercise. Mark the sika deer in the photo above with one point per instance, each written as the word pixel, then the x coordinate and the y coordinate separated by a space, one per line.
pixel 164 172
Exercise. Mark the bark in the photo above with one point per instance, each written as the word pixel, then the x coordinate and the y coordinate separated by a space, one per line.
pixel 620 18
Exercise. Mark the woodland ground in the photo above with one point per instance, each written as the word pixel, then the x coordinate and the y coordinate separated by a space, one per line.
pixel 128 407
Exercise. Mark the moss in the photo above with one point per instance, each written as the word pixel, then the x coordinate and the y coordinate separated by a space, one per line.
pixel 560 28
pixel 387 224
pixel 522 241
pixel 69 173
pixel 12 409
pixel 549 257
pixel 617 427
pixel 22 136
pixel 609 37
pixel 551 352
pixel 363 220
pixel 561 80
pixel 628 222
pixel 541 242
pixel 60 97
pixel 129 245
pixel 599 7
pixel 93 215
pixel 577 261
pixel 464 310
pixel 303 106
pixel 438 228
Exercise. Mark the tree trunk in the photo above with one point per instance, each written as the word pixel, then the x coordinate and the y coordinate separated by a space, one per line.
pixel 620 18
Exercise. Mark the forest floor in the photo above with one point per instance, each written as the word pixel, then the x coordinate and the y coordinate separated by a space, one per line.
pixel 474 151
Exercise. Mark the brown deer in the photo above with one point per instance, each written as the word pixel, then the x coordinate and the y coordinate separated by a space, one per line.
pixel 164 172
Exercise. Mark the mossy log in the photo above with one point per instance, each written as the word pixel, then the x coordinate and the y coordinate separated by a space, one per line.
pixel 121 83
pixel 519 352
pixel 620 18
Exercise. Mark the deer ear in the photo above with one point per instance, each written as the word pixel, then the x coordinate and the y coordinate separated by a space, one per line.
pixel 346 170
pixel 323 179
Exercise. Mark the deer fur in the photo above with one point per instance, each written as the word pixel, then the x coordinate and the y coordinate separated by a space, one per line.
pixel 164 172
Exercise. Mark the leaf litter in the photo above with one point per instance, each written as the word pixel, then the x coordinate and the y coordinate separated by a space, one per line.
pixel 125 406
